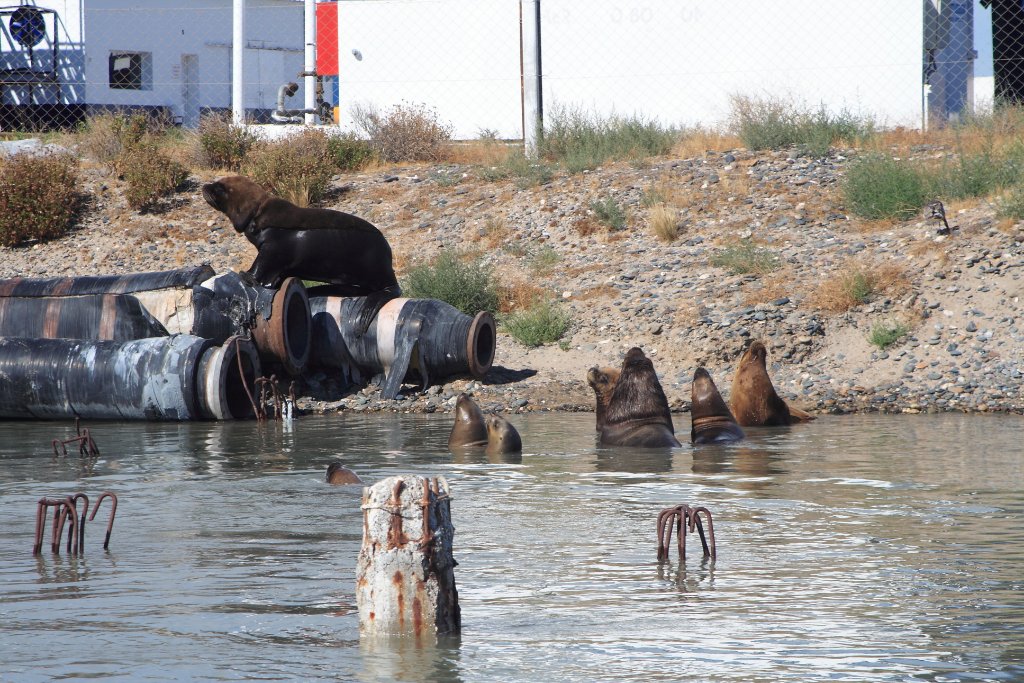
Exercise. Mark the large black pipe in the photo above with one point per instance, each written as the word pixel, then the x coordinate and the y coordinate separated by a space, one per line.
pixel 408 339
pixel 113 317
pixel 187 301
pixel 180 377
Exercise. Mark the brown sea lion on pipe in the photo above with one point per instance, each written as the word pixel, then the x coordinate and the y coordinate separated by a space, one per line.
pixel 313 244
pixel 602 381
pixel 711 420
pixel 638 412
pixel 753 399
pixel 470 428
pixel 502 437
pixel 339 474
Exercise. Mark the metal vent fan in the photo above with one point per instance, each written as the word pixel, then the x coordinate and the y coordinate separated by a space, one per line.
pixel 27 26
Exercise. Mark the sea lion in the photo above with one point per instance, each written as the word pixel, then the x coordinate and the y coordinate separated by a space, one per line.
pixel 470 428
pixel 334 247
pixel 502 437
pixel 637 413
pixel 753 399
pixel 711 420
pixel 602 381
pixel 339 474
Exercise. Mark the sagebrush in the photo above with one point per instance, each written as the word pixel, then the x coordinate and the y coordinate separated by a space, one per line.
pixel 38 196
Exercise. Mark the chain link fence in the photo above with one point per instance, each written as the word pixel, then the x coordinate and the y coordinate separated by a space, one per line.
pixel 487 67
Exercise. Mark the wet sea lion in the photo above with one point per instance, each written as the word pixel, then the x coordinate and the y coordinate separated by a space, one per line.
pixel 637 413
pixel 339 474
pixel 753 399
pixel 711 420
pixel 334 247
pixel 602 381
pixel 470 428
pixel 502 437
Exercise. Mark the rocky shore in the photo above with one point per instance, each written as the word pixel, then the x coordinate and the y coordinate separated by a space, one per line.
pixel 959 296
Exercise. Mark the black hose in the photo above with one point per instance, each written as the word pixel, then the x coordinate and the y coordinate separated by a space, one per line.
pixel 115 317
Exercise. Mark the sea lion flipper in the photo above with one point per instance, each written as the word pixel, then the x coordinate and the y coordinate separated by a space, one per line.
pixel 798 415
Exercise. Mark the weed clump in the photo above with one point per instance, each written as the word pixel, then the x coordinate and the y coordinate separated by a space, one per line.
pixel 108 136
pixel 406 132
pixel 297 168
pixel 579 141
pixel 609 213
pixel 745 257
pixel 149 174
pixel 465 284
pixel 857 284
pixel 774 123
pixel 885 334
pixel 543 323
pixel 664 223
pixel 218 143
pixel 38 196
pixel 878 186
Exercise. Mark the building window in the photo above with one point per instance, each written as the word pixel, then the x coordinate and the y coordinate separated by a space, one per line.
pixel 130 70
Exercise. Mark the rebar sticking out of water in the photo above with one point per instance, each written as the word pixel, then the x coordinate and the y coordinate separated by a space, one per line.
pixel 684 518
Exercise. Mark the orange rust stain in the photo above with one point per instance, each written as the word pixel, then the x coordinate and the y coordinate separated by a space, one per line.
pixel 417 618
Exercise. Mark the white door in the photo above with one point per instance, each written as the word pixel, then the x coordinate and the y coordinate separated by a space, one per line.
pixel 189 91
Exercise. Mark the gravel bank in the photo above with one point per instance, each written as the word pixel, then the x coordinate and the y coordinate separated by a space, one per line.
pixel 959 296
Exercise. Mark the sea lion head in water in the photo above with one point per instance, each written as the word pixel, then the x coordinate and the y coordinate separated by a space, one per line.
pixel 502 437
pixel 339 474
pixel 753 399
pixel 348 253
pixel 470 428
pixel 602 381
pixel 638 412
pixel 711 420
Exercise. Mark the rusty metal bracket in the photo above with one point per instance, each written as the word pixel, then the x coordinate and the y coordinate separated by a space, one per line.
pixel 86 444
pixel 684 518
pixel 64 508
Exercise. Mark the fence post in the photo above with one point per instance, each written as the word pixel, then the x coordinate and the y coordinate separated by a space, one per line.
pixel 237 58
pixel 532 80
pixel 405 574
pixel 309 69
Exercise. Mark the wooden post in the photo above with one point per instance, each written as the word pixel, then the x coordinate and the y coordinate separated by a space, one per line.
pixel 405 578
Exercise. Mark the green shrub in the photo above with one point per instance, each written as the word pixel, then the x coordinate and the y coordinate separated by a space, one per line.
pixel 221 144
pixel 105 137
pixel 745 257
pixel 527 172
pixel 542 323
pixel 774 123
pixel 579 141
pixel 406 132
pixel 38 196
pixel 1011 204
pixel 465 284
pixel 878 186
pixel 297 168
pixel 149 174
pixel 348 151
pixel 609 213
pixel 544 260
pixel 885 334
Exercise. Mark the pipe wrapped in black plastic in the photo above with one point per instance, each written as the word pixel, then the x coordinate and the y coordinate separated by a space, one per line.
pixel 197 301
pixel 423 338
pixel 182 278
pixel 114 317
pixel 180 377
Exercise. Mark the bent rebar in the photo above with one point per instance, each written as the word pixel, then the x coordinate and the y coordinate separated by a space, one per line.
pixel 73 500
pixel 86 444
pixel 113 511
pixel 684 519
pixel 65 508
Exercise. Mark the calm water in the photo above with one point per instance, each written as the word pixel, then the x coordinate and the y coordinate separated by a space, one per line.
pixel 854 548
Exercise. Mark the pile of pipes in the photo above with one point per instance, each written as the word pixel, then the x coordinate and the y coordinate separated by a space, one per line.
pixel 189 344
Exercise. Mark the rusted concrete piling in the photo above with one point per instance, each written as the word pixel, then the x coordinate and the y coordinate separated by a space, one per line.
pixel 405 575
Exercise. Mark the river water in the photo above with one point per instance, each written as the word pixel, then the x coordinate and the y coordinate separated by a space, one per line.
pixel 861 548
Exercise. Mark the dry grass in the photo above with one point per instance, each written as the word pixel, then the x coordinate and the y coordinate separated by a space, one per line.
pixel 604 291
pixel 520 295
pixel 779 284
pixel 664 223
pixel 936 251
pixel 856 284
pixel 479 152
pixel 496 232
pixel 698 142
pixel 587 226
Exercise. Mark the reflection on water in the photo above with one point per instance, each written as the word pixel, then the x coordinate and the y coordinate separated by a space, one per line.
pixel 855 548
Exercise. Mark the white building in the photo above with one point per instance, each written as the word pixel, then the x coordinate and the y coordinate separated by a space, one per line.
pixel 677 61
pixel 170 54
